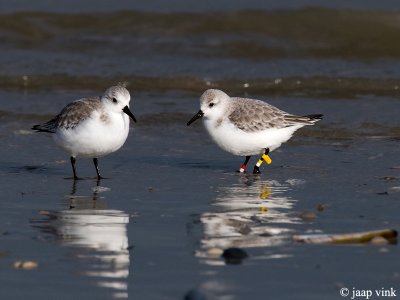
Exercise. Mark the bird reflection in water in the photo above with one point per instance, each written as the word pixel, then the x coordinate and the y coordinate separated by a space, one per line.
pixel 252 213
pixel 98 235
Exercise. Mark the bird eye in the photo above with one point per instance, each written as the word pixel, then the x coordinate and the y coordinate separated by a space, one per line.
pixel 114 100
pixel 211 104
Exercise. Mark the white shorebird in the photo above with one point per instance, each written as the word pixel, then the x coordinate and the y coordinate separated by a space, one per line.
pixel 92 127
pixel 247 127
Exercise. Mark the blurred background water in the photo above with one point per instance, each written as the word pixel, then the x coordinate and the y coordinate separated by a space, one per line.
pixel 172 196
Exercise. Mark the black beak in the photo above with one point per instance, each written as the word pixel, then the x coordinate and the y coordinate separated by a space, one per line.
pixel 195 117
pixel 129 113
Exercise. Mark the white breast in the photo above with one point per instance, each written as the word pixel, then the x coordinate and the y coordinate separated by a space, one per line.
pixel 95 137
pixel 239 142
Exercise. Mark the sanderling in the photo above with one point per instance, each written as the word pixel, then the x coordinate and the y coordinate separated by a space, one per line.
pixel 92 127
pixel 247 127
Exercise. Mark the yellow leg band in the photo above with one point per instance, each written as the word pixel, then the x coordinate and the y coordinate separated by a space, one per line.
pixel 266 158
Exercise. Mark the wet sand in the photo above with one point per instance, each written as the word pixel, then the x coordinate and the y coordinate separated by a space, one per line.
pixel 171 195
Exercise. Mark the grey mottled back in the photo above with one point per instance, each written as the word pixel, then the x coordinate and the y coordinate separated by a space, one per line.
pixel 254 115
pixel 72 114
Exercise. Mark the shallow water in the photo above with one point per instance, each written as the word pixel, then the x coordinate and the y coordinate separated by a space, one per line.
pixel 172 195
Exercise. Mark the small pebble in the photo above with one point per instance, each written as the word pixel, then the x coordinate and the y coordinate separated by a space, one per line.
pixel 26 264
pixel 234 256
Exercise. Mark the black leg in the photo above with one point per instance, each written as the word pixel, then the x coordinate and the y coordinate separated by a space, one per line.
pixel 243 168
pixel 96 165
pixel 263 157
pixel 73 161
pixel 256 170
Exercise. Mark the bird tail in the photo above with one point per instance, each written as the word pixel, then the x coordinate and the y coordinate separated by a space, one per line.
pixel 314 118
pixel 306 120
pixel 43 128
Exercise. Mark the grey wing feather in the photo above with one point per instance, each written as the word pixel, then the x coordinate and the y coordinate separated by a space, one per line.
pixel 72 114
pixel 305 120
pixel 254 115
pixel 49 126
